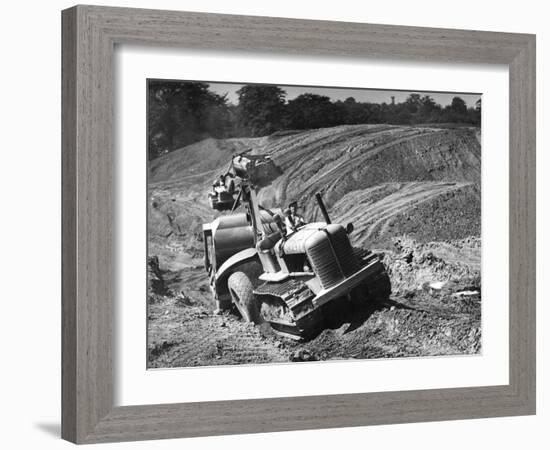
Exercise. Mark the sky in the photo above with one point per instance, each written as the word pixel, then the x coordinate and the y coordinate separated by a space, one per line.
pixel 360 94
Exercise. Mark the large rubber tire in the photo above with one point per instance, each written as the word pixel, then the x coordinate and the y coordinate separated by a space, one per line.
pixel 242 295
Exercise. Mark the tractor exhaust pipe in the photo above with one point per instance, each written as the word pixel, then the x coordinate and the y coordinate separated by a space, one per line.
pixel 322 207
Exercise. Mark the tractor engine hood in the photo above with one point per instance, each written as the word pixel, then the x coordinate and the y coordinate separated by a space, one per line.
pixel 328 250
pixel 296 243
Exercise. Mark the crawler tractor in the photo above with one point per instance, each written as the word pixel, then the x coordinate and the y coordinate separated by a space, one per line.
pixel 287 279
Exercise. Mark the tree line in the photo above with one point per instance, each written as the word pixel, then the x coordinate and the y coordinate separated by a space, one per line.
pixel 181 113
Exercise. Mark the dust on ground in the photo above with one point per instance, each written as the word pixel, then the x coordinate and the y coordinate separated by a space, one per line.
pixel 435 309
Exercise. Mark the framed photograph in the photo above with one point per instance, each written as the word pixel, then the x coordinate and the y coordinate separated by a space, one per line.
pixel 278 224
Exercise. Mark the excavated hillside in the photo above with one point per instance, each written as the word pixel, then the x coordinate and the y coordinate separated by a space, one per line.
pixel 418 169
pixel 412 193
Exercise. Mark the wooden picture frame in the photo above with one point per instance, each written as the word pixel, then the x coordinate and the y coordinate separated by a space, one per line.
pixel 89 37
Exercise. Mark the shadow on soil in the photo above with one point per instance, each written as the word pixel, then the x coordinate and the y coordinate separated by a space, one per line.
pixel 354 313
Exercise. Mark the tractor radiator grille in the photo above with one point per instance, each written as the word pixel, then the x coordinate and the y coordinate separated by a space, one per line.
pixel 344 251
pixel 324 264
pixel 332 257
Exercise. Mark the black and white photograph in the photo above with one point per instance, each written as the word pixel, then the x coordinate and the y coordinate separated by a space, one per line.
pixel 309 223
pixel 274 225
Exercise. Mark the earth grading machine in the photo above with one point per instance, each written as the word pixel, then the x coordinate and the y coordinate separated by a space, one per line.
pixel 286 279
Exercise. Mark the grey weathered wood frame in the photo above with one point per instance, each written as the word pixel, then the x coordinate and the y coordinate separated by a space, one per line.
pixel 89 36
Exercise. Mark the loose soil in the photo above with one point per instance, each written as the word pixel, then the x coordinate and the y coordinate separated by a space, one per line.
pixel 413 195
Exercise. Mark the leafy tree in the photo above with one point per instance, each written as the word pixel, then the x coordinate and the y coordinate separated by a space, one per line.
pixel 475 113
pixel 181 113
pixel 261 109
pixel 311 111
pixel 427 109
pixel 456 112
pixel 413 103
pixel 404 117
pixel 354 112
pixel 458 106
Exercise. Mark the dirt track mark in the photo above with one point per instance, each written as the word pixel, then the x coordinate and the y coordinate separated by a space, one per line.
pixel 375 217
pixel 190 335
pixel 369 148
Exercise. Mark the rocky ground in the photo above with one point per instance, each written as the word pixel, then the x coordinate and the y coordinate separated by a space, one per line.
pixel 413 194
pixel 423 317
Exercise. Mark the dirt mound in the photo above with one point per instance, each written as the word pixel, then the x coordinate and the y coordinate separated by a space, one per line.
pixel 199 158
pixel 343 159
pixel 421 326
pixel 374 154
pixel 426 211
pixel 432 174
pixel 434 266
